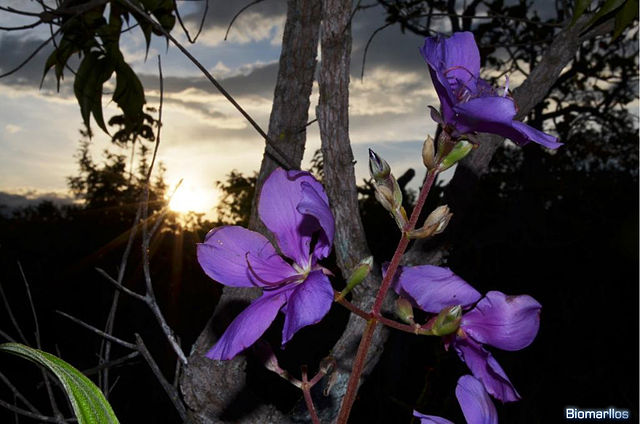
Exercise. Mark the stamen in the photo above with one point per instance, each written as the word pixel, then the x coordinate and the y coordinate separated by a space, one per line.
pixel 506 86
pixel 286 280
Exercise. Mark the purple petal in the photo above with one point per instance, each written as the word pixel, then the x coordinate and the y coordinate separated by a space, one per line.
pixel 484 113
pixel 271 271
pixel 430 419
pixel 278 209
pixel 433 288
pixel 308 304
pixel 506 322
pixel 494 114
pixel 475 402
pixel 455 65
pixel 316 204
pixel 531 134
pixel 485 368
pixel 223 256
pixel 248 326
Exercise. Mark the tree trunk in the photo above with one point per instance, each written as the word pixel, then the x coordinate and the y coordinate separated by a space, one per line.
pixel 215 391
pixel 349 241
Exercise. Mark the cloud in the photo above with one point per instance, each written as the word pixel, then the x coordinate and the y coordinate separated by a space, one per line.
pixel 12 129
pixel 262 21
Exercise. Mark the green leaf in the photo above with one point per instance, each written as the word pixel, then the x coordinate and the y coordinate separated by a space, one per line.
pixel 628 12
pixel 607 7
pixel 88 402
pixel 129 93
pixel 93 72
pixel 578 10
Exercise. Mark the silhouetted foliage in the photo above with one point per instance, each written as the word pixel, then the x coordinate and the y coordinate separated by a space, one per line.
pixel 234 206
pixel 59 248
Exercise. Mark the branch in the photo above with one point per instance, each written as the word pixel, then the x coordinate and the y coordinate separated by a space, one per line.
pixel 168 388
pixel 99 332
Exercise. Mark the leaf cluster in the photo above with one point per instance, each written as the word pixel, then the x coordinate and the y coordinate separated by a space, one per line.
pixel 94 34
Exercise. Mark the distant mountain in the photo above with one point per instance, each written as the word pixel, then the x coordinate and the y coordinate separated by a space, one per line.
pixel 10 202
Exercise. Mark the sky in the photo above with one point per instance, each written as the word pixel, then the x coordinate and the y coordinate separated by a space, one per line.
pixel 203 136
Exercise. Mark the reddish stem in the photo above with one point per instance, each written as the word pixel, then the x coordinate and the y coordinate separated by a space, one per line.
pixel 306 391
pixel 367 336
pixel 367 316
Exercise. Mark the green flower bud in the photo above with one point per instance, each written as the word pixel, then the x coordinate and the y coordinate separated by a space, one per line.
pixel 357 276
pixel 459 151
pixel 428 153
pixel 378 167
pixel 404 310
pixel 447 321
pixel 435 223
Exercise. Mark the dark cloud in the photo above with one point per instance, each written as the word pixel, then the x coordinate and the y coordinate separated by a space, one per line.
pixel 14 50
pixel 259 81
pixel 221 13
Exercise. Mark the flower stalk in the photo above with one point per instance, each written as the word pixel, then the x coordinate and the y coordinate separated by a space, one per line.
pixel 367 336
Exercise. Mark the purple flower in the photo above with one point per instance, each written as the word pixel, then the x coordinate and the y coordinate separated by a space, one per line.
pixel 506 322
pixel 474 401
pixel 470 104
pixel 295 208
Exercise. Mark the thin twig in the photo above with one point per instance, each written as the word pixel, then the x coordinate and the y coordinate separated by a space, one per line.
pixel 176 373
pixel 184 28
pixel 19 12
pixel 366 48
pixel 45 376
pixel 7 308
pixel 226 34
pixel 22 27
pixel 168 388
pixel 150 297
pixel 155 148
pixel 120 286
pixel 111 364
pixel 18 395
pixel 32 55
pixel 283 160
pixel 39 417
pixel 7 337
pixel 116 295
pixel 99 332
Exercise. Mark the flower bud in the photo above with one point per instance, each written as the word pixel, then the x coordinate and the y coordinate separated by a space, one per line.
pixel 446 322
pixel 459 151
pixel 435 223
pixel 404 310
pixel 438 219
pixel 378 167
pixel 357 276
pixel 428 153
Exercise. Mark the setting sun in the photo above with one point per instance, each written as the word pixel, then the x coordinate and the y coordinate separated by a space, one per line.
pixel 194 199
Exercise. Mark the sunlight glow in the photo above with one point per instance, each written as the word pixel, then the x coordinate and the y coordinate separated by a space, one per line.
pixel 189 198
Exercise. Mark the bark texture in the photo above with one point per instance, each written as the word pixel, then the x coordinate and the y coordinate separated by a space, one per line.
pixel 349 241
pixel 216 391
